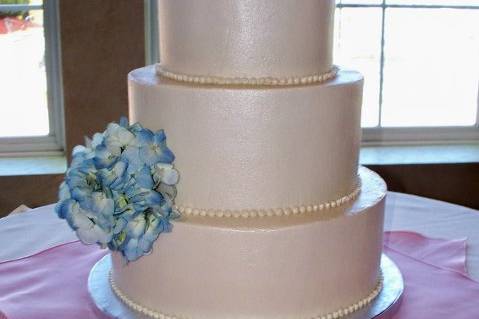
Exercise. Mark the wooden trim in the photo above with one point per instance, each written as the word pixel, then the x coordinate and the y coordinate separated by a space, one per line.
pixel 455 183
pixel 101 41
pixel 31 190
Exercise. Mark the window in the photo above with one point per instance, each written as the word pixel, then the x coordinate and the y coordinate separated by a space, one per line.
pixel 30 87
pixel 420 59
pixel 151 32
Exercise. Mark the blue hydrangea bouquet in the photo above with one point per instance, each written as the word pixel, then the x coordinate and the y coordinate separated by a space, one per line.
pixel 120 188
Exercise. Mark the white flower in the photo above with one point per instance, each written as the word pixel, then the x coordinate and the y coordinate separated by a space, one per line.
pixel 117 138
pixel 165 173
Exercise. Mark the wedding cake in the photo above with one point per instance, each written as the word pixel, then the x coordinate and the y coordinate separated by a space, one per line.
pixel 276 219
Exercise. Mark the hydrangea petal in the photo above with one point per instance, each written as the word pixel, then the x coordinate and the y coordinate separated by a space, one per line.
pixel 64 192
pixel 166 174
pixel 97 140
pixel 64 208
pixel 159 137
pixel 136 227
pixel 94 235
pixel 123 122
pixel 115 176
pixel 117 138
pixel 131 155
pixel 104 158
pixel 131 251
pixel 143 178
pixel 145 136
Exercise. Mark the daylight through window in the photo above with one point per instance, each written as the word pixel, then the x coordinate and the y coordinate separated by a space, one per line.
pixel 23 80
pixel 420 60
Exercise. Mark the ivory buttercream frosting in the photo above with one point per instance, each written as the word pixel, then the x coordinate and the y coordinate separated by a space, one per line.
pixel 274 217
pixel 247 38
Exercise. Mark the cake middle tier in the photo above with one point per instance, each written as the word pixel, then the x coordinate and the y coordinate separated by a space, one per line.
pixel 247 38
pixel 263 148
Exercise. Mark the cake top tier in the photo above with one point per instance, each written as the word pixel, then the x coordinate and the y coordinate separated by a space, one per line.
pixel 246 38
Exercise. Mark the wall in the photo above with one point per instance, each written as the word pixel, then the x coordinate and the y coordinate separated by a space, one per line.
pixel 31 190
pixel 101 41
pixel 456 183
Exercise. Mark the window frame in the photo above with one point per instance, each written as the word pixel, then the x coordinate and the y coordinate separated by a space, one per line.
pixel 152 52
pixel 415 135
pixel 371 136
pixel 54 142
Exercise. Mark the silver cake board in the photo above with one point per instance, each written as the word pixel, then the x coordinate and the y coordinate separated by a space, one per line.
pixel 383 307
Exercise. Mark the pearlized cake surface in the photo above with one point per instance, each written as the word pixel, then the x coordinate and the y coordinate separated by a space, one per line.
pixel 247 38
pixel 290 267
pixel 255 148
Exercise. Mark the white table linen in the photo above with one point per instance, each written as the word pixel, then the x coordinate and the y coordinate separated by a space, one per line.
pixel 27 233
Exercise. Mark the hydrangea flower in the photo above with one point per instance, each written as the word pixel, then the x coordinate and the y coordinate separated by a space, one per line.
pixel 120 188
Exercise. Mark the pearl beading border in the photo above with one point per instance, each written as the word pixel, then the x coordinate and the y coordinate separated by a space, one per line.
pixel 248 81
pixel 340 313
pixel 274 212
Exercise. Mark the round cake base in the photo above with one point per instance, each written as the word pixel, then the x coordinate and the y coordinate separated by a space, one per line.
pixel 382 307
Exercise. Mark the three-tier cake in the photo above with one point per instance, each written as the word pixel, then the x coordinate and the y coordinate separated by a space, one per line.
pixel 277 221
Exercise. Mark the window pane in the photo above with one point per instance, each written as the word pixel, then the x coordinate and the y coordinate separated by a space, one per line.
pixel 23 84
pixel 431 67
pixel 359 1
pixel 358 47
pixel 436 2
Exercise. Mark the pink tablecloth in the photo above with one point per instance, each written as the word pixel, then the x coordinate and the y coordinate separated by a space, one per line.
pixel 436 282
pixel 52 282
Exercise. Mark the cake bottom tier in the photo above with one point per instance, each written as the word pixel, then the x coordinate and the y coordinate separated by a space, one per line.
pixel 302 266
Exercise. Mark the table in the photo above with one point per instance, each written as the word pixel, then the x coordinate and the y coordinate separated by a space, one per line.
pixel 436 219
pixel 403 212
pixel 36 230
